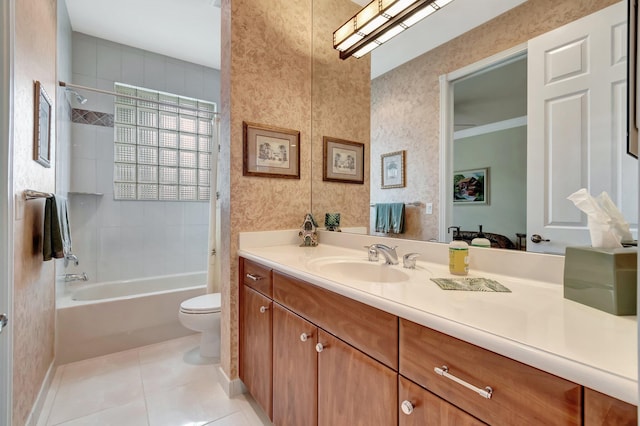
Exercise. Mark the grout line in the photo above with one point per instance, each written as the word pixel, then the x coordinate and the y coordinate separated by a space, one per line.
pixel 144 392
pixel 224 417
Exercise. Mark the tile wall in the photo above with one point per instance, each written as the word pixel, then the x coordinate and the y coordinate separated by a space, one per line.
pixel 117 240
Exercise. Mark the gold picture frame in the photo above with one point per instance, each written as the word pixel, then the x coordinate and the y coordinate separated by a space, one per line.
pixel 343 161
pixel 392 169
pixel 270 151
pixel 42 126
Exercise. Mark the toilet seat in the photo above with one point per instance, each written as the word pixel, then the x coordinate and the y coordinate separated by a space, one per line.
pixel 205 304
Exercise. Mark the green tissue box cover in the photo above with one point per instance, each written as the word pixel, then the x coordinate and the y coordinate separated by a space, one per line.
pixel 604 279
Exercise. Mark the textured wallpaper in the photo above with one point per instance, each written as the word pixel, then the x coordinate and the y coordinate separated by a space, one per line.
pixel 270 72
pixel 341 109
pixel 270 52
pixel 405 111
pixel 34 289
pixel 270 85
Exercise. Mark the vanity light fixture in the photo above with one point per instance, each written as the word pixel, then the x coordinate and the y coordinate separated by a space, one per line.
pixel 380 21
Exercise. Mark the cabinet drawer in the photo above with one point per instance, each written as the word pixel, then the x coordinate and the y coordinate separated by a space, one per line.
pixel 257 277
pixel 370 330
pixel 521 394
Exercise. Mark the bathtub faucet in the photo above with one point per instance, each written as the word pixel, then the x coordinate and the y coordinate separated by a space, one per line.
pixel 71 257
pixel 75 277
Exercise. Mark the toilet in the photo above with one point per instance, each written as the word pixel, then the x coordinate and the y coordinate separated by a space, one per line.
pixel 202 313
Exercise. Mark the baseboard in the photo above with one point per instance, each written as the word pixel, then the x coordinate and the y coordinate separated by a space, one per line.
pixel 233 387
pixel 36 410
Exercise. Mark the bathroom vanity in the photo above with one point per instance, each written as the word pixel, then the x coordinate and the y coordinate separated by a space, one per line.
pixel 321 346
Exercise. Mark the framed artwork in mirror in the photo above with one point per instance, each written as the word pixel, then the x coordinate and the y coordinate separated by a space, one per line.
pixel 392 165
pixel 270 151
pixel 471 186
pixel 42 126
pixel 343 161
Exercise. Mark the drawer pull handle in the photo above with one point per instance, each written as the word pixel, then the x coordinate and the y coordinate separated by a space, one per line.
pixel 444 371
pixel 407 407
pixel 304 337
pixel 263 309
pixel 254 277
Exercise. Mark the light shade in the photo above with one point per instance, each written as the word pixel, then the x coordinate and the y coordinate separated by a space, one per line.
pixel 380 21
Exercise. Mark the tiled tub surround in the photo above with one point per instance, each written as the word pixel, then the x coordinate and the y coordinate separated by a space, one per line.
pixel 533 324
pixel 119 240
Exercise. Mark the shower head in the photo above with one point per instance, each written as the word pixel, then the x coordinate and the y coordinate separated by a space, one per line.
pixel 81 99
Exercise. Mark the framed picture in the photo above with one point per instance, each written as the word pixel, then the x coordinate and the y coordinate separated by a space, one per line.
pixel 42 126
pixel 392 169
pixel 471 186
pixel 343 161
pixel 270 151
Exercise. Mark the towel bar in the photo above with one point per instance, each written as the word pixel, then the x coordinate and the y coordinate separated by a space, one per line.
pixel 415 203
pixel 30 194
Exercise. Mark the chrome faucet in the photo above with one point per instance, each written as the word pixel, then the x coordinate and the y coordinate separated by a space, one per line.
pixel 71 257
pixel 75 277
pixel 372 253
pixel 409 260
pixel 389 253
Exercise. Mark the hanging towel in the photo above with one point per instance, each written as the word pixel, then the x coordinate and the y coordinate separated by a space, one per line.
pixel 383 217
pixel 52 246
pixel 63 218
pixel 397 218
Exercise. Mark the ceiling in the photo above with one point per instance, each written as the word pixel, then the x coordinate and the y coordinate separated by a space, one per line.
pixel 183 29
pixel 190 29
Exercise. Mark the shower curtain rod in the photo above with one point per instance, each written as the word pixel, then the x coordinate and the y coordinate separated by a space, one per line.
pixel 137 98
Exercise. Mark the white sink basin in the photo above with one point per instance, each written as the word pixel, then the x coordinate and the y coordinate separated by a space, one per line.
pixel 358 270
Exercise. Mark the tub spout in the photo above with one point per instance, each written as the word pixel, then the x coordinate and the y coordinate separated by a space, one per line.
pixel 75 277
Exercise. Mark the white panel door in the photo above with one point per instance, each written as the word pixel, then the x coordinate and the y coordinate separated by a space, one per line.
pixel 576 136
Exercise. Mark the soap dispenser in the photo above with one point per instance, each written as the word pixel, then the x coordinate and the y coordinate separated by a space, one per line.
pixel 458 253
pixel 480 240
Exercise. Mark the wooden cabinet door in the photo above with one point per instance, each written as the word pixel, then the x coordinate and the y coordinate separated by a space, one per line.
pixel 600 409
pixel 424 408
pixel 353 389
pixel 256 346
pixel 295 369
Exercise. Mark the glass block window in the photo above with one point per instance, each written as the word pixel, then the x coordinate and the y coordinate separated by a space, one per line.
pixel 163 146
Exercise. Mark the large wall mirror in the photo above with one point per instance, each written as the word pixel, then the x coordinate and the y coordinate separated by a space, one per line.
pixel 486 105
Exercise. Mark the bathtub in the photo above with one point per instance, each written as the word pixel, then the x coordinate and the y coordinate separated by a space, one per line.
pixel 99 319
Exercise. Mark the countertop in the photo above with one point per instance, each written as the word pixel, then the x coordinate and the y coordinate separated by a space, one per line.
pixel 533 324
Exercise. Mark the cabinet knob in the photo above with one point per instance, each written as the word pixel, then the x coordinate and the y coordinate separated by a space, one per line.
pixel 319 347
pixel 263 309
pixel 304 336
pixel 407 407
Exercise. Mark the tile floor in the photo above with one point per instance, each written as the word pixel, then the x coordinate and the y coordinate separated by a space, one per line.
pixel 162 384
